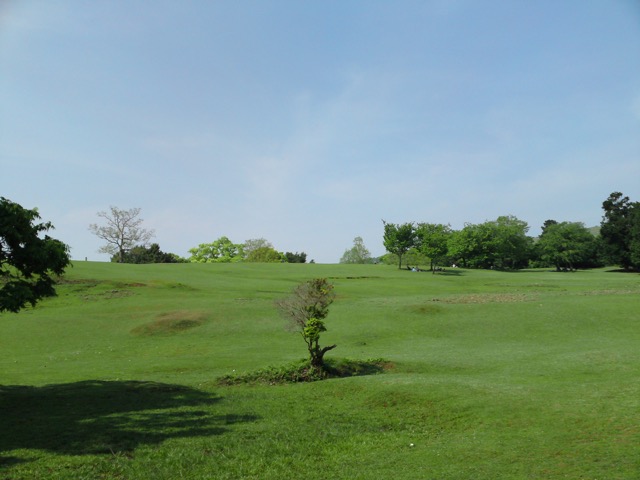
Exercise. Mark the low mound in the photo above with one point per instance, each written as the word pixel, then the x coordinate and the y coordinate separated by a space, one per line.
pixel 302 371
pixel 171 323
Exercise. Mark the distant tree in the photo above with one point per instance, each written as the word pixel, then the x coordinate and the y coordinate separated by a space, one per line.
pixel 296 257
pixel 28 261
pixel 471 246
pixel 254 244
pixel 306 308
pixel 433 241
pixel 547 224
pixel 123 230
pixel 221 250
pixel 566 245
pixel 357 254
pixel 501 243
pixel 511 243
pixel 264 255
pixel 634 244
pixel 150 254
pixel 616 229
pixel 399 239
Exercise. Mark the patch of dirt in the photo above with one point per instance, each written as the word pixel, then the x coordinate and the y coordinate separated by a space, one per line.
pixel 171 323
pixel 427 309
pixel 352 278
pixel 611 292
pixel 480 298
pixel 108 295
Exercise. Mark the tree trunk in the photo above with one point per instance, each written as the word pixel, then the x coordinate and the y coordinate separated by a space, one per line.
pixel 317 356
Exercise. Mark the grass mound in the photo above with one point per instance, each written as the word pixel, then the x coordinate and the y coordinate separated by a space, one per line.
pixel 171 323
pixel 302 371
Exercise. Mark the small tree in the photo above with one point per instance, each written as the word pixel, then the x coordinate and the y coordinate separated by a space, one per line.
pixel 306 308
pixel 27 260
pixel 122 231
pixel 399 239
pixel 357 254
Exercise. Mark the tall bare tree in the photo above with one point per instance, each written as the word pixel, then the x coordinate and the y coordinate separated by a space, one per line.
pixel 122 232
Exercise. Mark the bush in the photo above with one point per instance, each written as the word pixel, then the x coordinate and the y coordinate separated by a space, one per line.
pixel 302 371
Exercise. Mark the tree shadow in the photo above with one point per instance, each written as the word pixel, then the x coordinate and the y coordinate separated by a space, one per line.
pixel 623 270
pixel 451 272
pixel 95 417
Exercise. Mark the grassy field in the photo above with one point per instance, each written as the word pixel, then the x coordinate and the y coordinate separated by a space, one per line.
pixel 527 375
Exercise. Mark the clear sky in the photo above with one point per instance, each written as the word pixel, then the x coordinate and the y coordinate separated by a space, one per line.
pixel 308 122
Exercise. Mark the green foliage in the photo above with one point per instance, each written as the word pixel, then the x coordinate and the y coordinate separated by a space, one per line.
pixel 303 371
pixel 511 243
pixel 356 254
pixel 221 250
pixel 634 244
pixel 151 254
pixel 265 255
pixel 28 261
pixel 620 231
pixel 306 308
pixel 567 245
pixel 432 240
pixel 399 239
pixel 295 372
pixel 501 243
pixel 300 257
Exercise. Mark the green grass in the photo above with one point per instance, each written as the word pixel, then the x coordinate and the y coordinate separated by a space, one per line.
pixel 526 375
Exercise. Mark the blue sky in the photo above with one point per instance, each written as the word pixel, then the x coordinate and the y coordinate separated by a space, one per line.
pixel 308 122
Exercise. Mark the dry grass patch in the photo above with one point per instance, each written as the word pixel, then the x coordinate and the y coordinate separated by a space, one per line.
pixel 487 298
pixel 171 323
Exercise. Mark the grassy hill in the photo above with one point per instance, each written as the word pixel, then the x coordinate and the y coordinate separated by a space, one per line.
pixel 495 375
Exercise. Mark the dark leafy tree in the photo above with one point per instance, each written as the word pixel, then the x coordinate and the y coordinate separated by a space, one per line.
pixel 399 239
pixel 502 243
pixel 150 254
pixel 511 243
pixel 567 245
pixel 433 242
pixel 295 257
pixel 634 244
pixel 473 246
pixel 306 308
pixel 617 230
pixel 123 230
pixel 547 224
pixel 28 259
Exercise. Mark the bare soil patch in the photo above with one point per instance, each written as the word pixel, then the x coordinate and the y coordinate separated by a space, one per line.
pixel 171 323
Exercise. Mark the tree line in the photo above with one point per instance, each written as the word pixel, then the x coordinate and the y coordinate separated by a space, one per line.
pixel 504 244
pixel 126 240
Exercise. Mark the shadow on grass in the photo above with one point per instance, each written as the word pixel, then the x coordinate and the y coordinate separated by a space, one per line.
pixel 95 417
pixel 622 270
